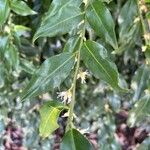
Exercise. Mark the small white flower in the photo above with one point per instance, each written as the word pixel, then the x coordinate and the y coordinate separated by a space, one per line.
pixel 147 36
pixel 144 48
pixel 83 76
pixel 66 96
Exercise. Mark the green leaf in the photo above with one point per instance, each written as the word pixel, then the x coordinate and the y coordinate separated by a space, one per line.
pixel 27 66
pixel 140 111
pixel 74 140
pixel 102 22
pixel 12 56
pixel 61 18
pixel 140 81
pixel 21 8
pixel 50 75
pixel 4 11
pixel 129 31
pixel 3 45
pixel 95 58
pixel 72 44
pixel 49 113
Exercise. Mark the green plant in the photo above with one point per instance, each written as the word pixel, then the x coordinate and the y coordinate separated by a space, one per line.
pixel 93 41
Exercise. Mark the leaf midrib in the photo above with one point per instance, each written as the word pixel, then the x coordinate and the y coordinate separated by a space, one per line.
pixel 99 63
pixel 62 22
pixel 36 88
pixel 99 18
pixel 44 128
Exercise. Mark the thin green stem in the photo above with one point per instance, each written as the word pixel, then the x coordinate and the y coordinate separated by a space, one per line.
pixel 70 118
pixel 72 104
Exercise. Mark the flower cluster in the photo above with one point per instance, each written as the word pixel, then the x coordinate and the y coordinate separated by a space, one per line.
pixel 66 96
pixel 83 76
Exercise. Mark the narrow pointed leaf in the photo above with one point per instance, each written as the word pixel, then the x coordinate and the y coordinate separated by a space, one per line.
pixel 61 18
pixel 50 75
pixel 49 113
pixel 74 140
pixel 102 22
pixel 4 11
pixel 140 111
pixel 21 8
pixel 95 58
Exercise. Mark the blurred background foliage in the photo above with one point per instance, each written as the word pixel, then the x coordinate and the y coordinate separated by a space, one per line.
pixel 98 109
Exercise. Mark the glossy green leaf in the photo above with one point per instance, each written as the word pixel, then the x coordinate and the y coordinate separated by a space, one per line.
pixel 4 11
pixel 140 111
pixel 102 22
pixel 95 58
pixel 72 44
pixel 49 113
pixel 74 140
pixel 61 18
pixel 50 75
pixel 21 8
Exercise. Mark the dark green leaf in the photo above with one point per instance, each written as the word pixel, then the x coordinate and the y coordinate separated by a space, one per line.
pixel 4 11
pixel 74 140
pixel 101 21
pixel 49 113
pixel 50 75
pixel 61 18
pixel 140 111
pixel 95 57
pixel 21 8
